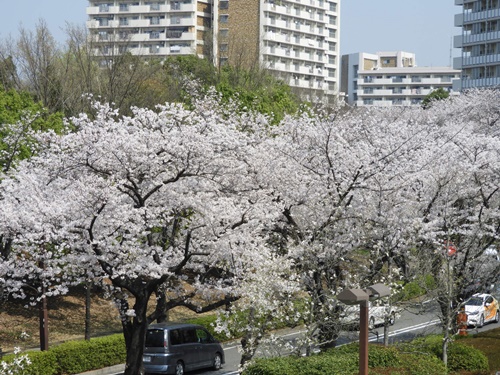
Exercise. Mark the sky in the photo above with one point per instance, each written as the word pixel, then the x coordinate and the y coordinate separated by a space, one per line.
pixel 423 27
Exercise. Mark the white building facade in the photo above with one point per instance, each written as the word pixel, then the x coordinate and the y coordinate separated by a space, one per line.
pixel 148 28
pixel 391 79
pixel 300 42
pixel 297 40
pixel 479 43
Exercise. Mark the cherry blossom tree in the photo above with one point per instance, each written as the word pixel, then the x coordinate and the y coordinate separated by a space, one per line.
pixel 328 173
pixel 166 198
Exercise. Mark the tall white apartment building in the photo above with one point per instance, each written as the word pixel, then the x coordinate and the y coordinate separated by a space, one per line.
pixel 149 28
pixel 297 40
pixel 300 42
pixel 391 79
pixel 479 43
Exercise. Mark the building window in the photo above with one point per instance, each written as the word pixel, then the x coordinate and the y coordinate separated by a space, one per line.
pixel 123 21
pixel 124 7
pixel 223 18
pixel 175 5
pixel 103 8
pixel 103 22
pixel 103 35
pixel 224 4
pixel 223 47
pixel 223 33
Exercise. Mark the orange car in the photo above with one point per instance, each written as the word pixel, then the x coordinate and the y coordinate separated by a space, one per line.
pixel 481 308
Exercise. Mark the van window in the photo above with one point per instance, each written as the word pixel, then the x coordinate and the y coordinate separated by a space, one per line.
pixel 175 337
pixel 203 336
pixel 154 338
pixel 189 336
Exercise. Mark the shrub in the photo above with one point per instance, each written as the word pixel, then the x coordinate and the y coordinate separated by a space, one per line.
pixel 421 364
pixel 460 357
pixel 345 361
pixel 341 364
pixel 42 363
pixel 466 358
pixel 74 357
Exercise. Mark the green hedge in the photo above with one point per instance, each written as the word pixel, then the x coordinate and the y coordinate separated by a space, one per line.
pixel 74 357
pixel 460 357
pixel 345 361
pixel 341 364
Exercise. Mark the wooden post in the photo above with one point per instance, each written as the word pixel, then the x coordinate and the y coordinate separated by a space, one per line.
pixel 363 338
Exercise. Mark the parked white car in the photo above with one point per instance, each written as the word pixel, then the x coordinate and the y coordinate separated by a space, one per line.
pixel 376 315
pixel 482 308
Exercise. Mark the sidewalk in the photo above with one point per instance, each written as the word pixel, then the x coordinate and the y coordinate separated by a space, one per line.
pixel 113 370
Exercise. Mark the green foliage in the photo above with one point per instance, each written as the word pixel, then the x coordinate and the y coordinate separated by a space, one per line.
pixel 16 142
pixel 421 364
pixel 438 94
pixel 209 321
pixel 42 363
pixel 258 91
pixel 340 364
pixel 420 357
pixel 416 288
pixel 460 357
pixel 75 357
pixel 466 358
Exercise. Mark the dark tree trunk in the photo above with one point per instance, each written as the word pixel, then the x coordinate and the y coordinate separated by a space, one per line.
pixel 88 291
pixel 134 331
pixel 44 324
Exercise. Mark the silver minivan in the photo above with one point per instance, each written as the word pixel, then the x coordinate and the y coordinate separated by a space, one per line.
pixel 173 348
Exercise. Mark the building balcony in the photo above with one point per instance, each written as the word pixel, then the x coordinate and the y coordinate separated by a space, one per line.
pixel 184 36
pixel 191 7
pixel 468 62
pixel 103 24
pixel 479 38
pixel 467 83
pixel 481 16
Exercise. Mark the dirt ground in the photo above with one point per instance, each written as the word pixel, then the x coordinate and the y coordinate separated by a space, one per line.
pixel 19 322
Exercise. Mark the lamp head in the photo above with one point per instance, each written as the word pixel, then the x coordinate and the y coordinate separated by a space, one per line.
pixel 353 296
pixel 378 291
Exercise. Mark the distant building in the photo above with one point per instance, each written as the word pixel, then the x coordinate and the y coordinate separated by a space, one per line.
pixel 479 43
pixel 391 78
pixel 297 40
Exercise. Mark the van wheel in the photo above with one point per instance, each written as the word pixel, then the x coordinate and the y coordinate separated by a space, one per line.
pixel 497 318
pixel 217 362
pixel 179 368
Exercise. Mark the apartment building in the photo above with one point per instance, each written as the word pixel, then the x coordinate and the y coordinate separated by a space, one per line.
pixel 391 78
pixel 479 43
pixel 297 40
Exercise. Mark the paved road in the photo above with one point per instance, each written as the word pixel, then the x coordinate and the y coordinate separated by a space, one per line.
pixel 410 324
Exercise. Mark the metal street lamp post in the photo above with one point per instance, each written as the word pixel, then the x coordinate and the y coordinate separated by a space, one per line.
pixel 361 297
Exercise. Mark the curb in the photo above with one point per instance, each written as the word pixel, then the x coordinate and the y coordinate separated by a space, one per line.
pixel 117 369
